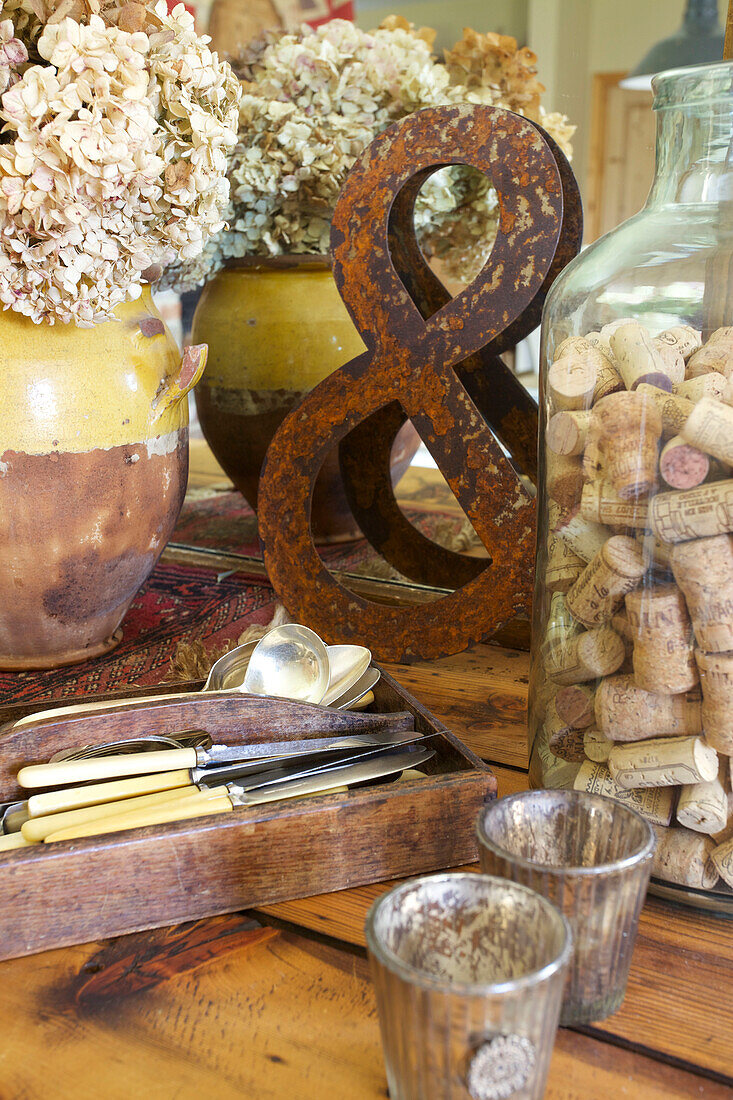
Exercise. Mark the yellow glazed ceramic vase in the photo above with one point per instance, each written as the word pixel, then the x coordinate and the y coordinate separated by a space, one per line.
pixel 275 329
pixel 93 469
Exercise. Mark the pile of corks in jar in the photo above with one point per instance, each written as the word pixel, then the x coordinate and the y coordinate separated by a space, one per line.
pixel 638 651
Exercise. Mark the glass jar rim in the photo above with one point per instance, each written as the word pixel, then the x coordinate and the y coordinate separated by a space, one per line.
pixel 644 851
pixel 693 84
pixel 416 976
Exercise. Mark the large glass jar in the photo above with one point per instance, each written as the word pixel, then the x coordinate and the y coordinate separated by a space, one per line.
pixel 632 682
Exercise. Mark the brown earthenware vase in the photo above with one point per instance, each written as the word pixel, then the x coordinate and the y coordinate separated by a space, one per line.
pixel 275 328
pixel 93 468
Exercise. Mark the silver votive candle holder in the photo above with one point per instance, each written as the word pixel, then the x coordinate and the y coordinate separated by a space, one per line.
pixel 468 973
pixel 591 857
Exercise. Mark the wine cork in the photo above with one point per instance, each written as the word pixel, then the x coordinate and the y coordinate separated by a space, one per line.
pixel 723 335
pixel 597 746
pixel 683 338
pixel 622 626
pixel 608 380
pixel 722 860
pixel 716 681
pixel 572 345
pixel 599 590
pixel 699 513
pixel 583 537
pixel 564 741
pixel 703 807
pixel 726 833
pixel 574 705
pixel 626 712
pixel 559 629
pixel 567 431
pixel 605 334
pixel 709 427
pixel 674 410
pixel 586 656
pixel 663 762
pixel 571 381
pixel 637 359
pixel 563 566
pixel 593 459
pixel 548 770
pixel 600 503
pixel 653 803
pixel 705 385
pixel 684 857
pixel 681 465
pixel 674 364
pixel 664 658
pixel 564 480
pixel 657 551
pixel 630 426
pixel 704 571
pixel 714 356
pixel 727 394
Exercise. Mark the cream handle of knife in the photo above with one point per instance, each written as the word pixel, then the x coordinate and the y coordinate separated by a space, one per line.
pixel 38 828
pixel 12 840
pixel 362 703
pixel 67 772
pixel 73 798
pixel 179 810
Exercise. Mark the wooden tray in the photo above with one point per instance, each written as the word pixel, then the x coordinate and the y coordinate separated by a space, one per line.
pixel 79 890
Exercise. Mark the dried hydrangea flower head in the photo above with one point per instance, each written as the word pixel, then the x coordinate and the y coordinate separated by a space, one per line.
pixel 13 54
pixel 314 100
pixel 114 158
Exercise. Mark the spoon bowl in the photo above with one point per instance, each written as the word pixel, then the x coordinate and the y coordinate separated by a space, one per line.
pixel 356 692
pixel 290 662
pixel 227 674
pixel 347 663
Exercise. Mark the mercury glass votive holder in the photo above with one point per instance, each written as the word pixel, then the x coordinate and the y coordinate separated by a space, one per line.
pixel 468 972
pixel 591 857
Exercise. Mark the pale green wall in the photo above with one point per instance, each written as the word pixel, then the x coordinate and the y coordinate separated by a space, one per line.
pixel 577 38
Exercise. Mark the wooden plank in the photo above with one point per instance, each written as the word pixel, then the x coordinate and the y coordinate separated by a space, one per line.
pixel 680 958
pixel 226 1008
pixel 480 695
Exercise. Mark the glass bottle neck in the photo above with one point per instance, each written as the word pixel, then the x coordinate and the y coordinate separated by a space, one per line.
pixel 694 153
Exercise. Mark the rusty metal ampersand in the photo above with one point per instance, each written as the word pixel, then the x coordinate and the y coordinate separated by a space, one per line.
pixel 434 359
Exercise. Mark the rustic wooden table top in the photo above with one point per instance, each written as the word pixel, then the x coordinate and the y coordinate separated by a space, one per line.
pixel 278 1003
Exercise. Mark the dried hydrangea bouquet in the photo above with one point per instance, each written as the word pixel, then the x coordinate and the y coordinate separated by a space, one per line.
pixel 117 123
pixel 271 316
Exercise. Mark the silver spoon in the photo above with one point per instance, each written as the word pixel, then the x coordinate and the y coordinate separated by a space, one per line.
pixel 357 691
pixel 347 664
pixel 290 662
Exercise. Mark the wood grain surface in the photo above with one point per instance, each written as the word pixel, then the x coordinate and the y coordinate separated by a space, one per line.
pixel 230 1008
pixel 277 1005
pixel 480 695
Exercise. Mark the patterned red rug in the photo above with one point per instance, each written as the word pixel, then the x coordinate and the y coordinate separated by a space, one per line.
pixel 186 603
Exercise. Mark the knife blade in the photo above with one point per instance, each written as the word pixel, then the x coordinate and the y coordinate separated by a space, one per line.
pixel 92 769
pixel 256 779
pixel 216 802
pixel 71 798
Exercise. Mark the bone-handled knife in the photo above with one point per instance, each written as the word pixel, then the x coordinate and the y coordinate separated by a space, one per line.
pixel 71 798
pixel 68 772
pixel 224 799
pixel 38 828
